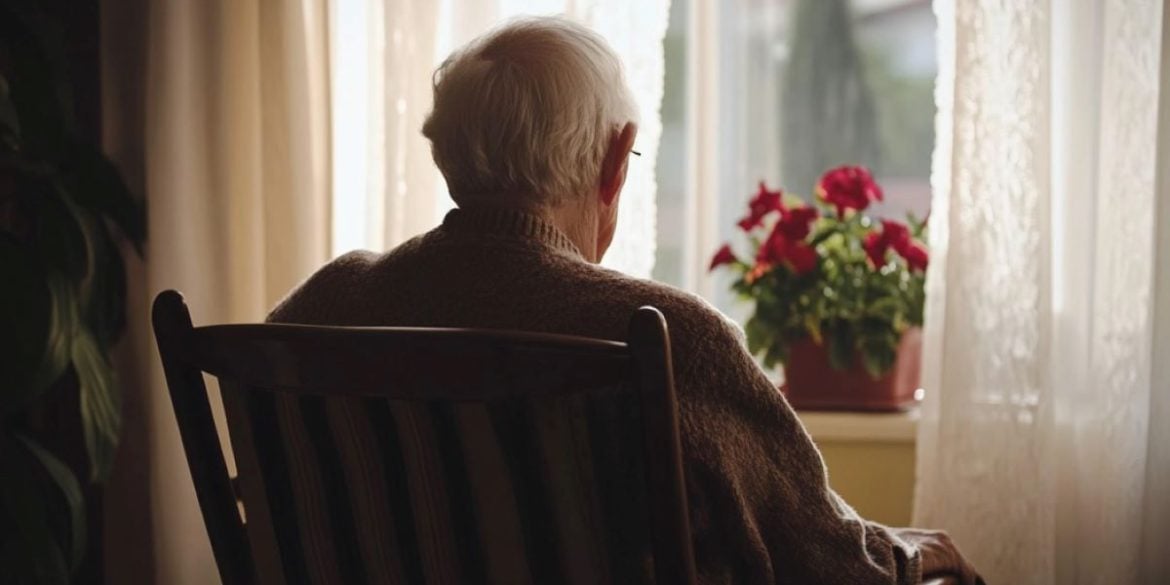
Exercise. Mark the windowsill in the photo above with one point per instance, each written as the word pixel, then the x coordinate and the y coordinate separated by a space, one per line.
pixel 894 427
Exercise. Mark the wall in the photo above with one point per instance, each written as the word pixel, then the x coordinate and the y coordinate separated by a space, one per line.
pixel 871 460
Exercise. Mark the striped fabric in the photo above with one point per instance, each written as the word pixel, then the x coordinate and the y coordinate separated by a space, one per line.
pixel 525 490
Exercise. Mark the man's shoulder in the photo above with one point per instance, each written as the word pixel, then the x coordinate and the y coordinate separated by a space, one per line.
pixel 323 287
pixel 684 311
pixel 339 281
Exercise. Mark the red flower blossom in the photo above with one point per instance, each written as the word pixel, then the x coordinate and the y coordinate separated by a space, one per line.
pixel 849 187
pixel 761 205
pixel 876 246
pixel 773 249
pixel 802 258
pixel 796 223
pixel 723 256
pixel 916 256
pixel 781 247
pixel 897 236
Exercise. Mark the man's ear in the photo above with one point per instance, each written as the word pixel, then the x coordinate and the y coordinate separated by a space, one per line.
pixel 613 168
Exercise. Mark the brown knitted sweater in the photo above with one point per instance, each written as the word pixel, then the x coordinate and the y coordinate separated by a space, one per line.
pixel 761 508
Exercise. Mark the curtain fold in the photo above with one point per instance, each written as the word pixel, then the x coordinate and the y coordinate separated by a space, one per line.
pixel 1046 297
pixel 234 161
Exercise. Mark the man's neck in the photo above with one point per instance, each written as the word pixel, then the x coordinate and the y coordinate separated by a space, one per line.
pixel 580 225
pixel 574 219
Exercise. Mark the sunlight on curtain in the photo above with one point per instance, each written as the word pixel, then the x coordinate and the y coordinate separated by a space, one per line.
pixel 1035 449
pixel 235 161
pixel 386 188
pixel 382 54
pixel 350 88
pixel 635 30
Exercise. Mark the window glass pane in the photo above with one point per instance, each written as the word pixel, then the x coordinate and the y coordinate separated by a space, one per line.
pixel 805 85
pixel 670 257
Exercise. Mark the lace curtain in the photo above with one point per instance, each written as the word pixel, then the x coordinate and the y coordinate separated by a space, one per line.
pixel 1042 446
pixel 386 189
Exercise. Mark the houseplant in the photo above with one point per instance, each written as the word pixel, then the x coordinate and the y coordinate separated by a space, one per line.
pixel 838 295
pixel 64 208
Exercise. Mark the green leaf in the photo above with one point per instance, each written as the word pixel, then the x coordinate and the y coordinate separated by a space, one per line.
pixel 95 184
pixel 60 240
pixel 827 229
pixel 9 123
pixel 878 358
pixel 103 287
pixel 777 353
pixel 39 313
pixel 841 346
pixel 812 324
pixel 40 90
pixel 759 335
pixel 25 315
pixel 105 308
pixel 66 482
pixel 101 408
pixel 30 552
pixel 63 325
pixel 885 307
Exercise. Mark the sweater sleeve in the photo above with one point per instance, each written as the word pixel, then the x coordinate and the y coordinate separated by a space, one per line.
pixel 751 464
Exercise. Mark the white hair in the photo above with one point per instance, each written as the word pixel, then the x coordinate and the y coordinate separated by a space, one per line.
pixel 528 110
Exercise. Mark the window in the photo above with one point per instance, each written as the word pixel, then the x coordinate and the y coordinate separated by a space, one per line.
pixel 773 90
pixel 799 86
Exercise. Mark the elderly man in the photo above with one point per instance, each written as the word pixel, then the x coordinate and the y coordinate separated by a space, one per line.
pixel 532 128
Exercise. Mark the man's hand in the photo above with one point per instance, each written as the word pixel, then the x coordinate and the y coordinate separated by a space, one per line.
pixel 939 555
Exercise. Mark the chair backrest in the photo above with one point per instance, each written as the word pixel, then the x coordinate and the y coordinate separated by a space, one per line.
pixel 406 455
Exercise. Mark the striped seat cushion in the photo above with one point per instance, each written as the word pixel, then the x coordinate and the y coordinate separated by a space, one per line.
pixel 520 490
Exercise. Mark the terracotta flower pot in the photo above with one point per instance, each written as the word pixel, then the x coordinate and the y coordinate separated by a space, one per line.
pixel 812 384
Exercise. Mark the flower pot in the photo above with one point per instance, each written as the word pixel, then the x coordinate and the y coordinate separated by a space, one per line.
pixel 811 383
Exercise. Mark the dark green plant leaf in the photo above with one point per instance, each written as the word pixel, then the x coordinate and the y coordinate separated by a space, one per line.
pixel 63 326
pixel 813 326
pixel 829 229
pixel 66 482
pixel 34 556
pixel 62 291
pixel 878 358
pixel 759 334
pixel 26 314
pixel 101 407
pixel 105 300
pixel 39 88
pixel 95 184
pixel 9 122
pixel 39 314
pixel 103 286
pixel 60 237
pixel 776 354
pixel 841 346
pixel 54 260
pixel 885 308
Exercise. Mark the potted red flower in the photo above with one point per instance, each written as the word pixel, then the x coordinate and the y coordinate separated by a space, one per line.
pixel 838 296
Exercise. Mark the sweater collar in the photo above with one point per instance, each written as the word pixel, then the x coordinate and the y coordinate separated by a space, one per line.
pixel 509 224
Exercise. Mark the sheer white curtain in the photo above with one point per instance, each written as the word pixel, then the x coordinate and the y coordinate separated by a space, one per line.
pixel 386 188
pixel 1043 446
